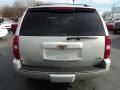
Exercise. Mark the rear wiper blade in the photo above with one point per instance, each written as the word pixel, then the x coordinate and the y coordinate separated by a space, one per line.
pixel 70 38
pixel 78 38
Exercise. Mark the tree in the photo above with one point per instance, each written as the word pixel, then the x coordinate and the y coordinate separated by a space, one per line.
pixel 14 11
pixel 7 12
pixel 106 14
pixel 29 2
pixel 33 2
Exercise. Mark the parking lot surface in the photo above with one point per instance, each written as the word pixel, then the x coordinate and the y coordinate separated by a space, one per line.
pixel 10 80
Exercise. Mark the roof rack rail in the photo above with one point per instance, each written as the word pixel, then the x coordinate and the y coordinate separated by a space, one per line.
pixel 39 4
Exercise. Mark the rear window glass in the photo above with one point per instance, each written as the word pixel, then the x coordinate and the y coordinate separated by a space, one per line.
pixel 47 23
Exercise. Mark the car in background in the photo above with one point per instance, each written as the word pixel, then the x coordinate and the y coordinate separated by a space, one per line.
pixel 1 20
pixel 109 24
pixel 7 24
pixel 116 26
pixel 14 27
pixel 3 31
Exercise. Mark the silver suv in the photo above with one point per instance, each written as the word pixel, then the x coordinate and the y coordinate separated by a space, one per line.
pixel 116 26
pixel 61 43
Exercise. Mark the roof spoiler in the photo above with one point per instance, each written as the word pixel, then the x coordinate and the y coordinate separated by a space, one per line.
pixel 40 4
pixel 52 9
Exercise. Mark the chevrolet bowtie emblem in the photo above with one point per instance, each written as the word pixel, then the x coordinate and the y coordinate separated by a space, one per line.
pixel 62 46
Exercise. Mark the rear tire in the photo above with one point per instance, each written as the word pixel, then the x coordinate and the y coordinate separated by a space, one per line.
pixel 115 31
pixel 1 38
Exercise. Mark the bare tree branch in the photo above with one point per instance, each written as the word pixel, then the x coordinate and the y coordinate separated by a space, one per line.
pixel 14 11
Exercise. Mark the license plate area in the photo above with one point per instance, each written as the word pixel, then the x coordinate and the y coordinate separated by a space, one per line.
pixel 67 54
pixel 62 78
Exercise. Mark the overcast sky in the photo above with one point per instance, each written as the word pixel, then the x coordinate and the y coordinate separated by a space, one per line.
pixel 4 2
pixel 101 5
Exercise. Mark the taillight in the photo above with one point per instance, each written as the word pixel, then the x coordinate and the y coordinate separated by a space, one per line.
pixel 16 47
pixel 107 47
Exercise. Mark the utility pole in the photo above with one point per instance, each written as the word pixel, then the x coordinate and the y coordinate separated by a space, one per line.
pixel 73 1
pixel 113 8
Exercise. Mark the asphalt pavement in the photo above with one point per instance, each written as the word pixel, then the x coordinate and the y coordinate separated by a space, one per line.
pixel 10 80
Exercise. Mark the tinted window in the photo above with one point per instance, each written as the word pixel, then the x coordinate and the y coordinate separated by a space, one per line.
pixel 46 23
